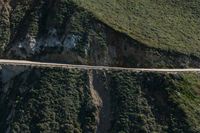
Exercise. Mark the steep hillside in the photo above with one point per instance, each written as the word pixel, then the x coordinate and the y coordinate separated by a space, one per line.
pixel 164 24
pixel 82 101
pixel 125 33
pixel 116 33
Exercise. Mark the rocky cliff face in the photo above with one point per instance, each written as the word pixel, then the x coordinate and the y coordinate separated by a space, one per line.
pixel 61 31
pixel 72 100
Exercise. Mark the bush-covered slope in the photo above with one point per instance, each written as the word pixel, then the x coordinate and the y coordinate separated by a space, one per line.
pixel 82 101
pixel 128 33
pixel 48 100
pixel 155 102
pixel 115 33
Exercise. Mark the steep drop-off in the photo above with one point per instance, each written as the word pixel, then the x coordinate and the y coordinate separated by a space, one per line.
pixel 81 101
pixel 64 31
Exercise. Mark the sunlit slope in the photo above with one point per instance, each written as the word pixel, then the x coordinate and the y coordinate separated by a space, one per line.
pixel 164 24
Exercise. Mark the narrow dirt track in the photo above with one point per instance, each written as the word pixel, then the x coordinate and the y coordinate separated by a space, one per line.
pixel 44 64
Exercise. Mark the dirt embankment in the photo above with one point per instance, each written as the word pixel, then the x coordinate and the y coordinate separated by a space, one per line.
pixel 101 89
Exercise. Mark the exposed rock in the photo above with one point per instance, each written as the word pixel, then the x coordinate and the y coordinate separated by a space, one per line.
pixel 71 41
pixel 73 35
pixel 51 41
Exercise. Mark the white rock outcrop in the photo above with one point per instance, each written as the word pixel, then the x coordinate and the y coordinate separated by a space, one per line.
pixel 71 41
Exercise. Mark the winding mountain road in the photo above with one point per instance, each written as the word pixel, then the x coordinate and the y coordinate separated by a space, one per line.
pixel 45 64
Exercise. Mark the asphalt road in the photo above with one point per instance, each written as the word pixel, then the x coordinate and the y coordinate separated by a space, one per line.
pixel 44 64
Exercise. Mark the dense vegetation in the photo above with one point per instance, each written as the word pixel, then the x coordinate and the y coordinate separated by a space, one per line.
pixel 60 100
pixel 39 19
pixel 56 100
pixel 4 25
pixel 164 24
pixel 152 102
pixel 131 33
pixel 116 33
